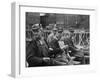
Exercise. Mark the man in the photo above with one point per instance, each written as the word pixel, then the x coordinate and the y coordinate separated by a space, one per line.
pixel 37 51
pixel 52 35
pixel 73 51
pixel 54 42
pixel 58 45
pixel 69 41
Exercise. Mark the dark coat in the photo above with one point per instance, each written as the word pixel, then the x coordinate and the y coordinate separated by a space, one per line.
pixel 56 48
pixel 72 48
pixel 35 54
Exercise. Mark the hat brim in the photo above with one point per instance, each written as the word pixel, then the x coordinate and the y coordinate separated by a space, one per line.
pixel 35 30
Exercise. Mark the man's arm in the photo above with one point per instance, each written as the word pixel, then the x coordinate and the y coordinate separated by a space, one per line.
pixel 31 55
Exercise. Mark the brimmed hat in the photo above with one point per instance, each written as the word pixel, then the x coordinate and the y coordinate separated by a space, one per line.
pixel 71 30
pixel 35 27
pixel 54 29
pixel 60 30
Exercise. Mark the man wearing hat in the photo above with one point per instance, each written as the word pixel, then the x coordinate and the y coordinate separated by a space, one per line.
pixel 73 50
pixel 37 51
pixel 52 35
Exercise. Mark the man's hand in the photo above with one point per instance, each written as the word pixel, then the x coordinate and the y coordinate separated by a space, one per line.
pixel 65 47
pixel 46 59
pixel 51 49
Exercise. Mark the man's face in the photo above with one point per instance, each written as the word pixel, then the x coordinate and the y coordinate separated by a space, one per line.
pixel 58 36
pixel 71 34
pixel 67 35
pixel 36 35
pixel 60 33
pixel 54 31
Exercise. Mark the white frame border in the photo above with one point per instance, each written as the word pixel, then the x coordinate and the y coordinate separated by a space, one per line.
pixel 15 52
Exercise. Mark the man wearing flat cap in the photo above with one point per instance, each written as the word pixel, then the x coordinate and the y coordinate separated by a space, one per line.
pixel 52 35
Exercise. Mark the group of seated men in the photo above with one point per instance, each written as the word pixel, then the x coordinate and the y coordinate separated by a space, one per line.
pixel 55 50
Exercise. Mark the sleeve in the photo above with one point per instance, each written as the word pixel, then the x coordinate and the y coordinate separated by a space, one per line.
pixel 35 60
pixel 56 48
pixel 31 57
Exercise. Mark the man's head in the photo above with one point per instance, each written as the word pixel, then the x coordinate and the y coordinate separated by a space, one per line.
pixel 54 30
pixel 60 30
pixel 67 35
pixel 58 36
pixel 36 32
pixel 71 32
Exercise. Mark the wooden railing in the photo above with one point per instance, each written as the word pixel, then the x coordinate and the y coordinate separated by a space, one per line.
pixel 80 39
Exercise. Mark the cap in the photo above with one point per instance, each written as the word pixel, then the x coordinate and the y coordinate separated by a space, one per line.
pixel 54 29
pixel 71 30
pixel 35 27
pixel 60 29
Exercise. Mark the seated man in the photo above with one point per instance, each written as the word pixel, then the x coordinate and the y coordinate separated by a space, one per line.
pixel 60 54
pixel 52 35
pixel 38 53
pixel 73 51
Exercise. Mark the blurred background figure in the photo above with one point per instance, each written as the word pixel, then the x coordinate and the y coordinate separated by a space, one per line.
pixel 52 35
